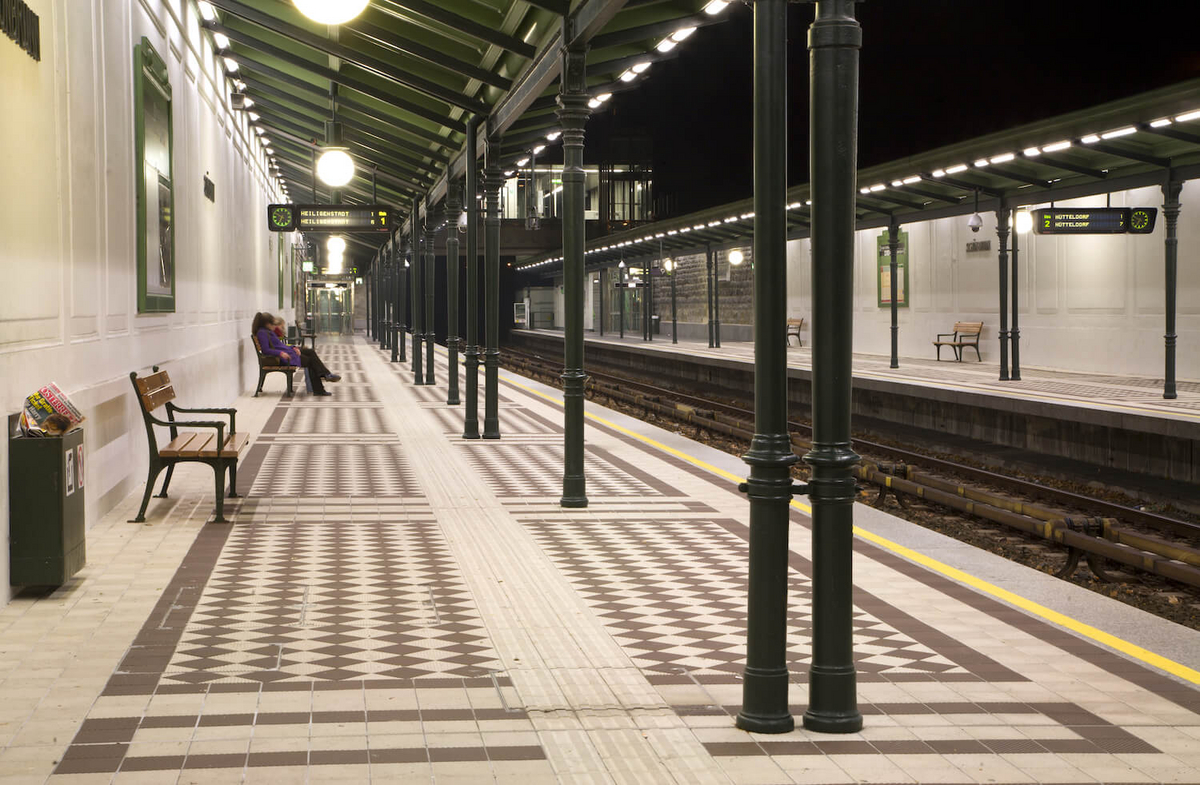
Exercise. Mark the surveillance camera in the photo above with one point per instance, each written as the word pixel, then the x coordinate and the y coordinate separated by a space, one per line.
pixel 975 222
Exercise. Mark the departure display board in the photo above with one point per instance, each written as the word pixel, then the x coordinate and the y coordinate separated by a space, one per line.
pixel 329 218
pixel 1095 220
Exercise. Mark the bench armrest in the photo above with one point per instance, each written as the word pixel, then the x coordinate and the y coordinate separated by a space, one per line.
pixel 231 412
pixel 945 335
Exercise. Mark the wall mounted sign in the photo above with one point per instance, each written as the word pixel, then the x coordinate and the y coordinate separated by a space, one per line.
pixel 884 277
pixel 1095 220
pixel 22 25
pixel 328 218
pixel 210 189
pixel 976 246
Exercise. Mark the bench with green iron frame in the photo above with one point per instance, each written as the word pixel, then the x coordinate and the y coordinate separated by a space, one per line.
pixel 212 445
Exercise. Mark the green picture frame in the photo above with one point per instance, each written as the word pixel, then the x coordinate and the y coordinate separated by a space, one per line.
pixel 154 178
pixel 883 258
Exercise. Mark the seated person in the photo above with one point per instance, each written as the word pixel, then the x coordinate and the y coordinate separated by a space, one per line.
pixel 270 344
pixel 279 327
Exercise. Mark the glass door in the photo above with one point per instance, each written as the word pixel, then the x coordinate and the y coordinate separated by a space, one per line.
pixel 330 307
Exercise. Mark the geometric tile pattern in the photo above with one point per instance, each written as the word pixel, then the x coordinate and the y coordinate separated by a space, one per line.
pixel 673 591
pixel 342 420
pixel 536 470
pixel 333 599
pixel 313 470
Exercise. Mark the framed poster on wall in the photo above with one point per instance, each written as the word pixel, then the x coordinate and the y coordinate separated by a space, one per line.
pixel 884 261
pixel 154 177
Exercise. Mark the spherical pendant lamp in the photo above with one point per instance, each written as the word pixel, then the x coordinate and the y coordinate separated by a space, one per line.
pixel 335 167
pixel 331 12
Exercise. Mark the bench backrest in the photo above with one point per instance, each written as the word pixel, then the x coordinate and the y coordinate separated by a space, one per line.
pixel 968 328
pixel 153 390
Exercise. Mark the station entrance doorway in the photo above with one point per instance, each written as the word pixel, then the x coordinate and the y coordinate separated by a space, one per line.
pixel 330 309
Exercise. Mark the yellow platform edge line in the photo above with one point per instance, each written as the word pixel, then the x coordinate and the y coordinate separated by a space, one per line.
pixel 1086 630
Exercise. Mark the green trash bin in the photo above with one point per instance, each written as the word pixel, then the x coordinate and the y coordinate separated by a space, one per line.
pixel 45 506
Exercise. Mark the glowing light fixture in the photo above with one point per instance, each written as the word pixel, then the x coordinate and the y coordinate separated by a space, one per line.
pixel 1118 132
pixel 231 65
pixel 665 45
pixel 331 12
pixel 207 13
pixel 221 40
pixel 715 7
pixel 336 244
pixel 939 172
pixel 911 180
pixel 1054 148
pixel 628 76
pixel 1161 122
pixel 1001 159
pixel 508 172
pixel 668 264
pixel 523 161
pixel 603 97
pixel 877 187
pixel 1024 222
pixel 982 162
pixel 592 104
pixel 553 135
pixel 736 257
pixel 640 68
pixel 1030 152
pixel 682 34
pixel 956 169
pixel 1183 118
pixel 1090 139
pixel 539 149
pixel 335 167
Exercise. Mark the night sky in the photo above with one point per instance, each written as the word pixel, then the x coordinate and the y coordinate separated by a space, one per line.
pixel 932 72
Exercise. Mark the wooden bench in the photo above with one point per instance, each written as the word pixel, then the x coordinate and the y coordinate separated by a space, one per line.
pixel 794 326
pixel 218 449
pixel 965 334
pixel 303 335
pixel 268 363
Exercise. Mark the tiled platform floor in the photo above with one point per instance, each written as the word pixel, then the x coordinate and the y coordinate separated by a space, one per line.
pixel 1141 395
pixel 392 603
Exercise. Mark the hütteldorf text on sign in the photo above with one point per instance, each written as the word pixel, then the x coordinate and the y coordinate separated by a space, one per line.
pixel 21 24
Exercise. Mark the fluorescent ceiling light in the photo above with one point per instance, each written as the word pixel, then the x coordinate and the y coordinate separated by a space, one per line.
pixel 230 64
pixel 939 172
pixel 207 13
pixel 808 201
pixel 956 169
pixel 539 148
pixel 508 173
pixel 639 68
pixel 1054 148
pixel 665 45
pixel 1183 118
pixel 603 97
pixel 685 229
pixel 897 183
pixel 335 167
pixel 715 7
pixel 247 102
pixel 864 190
pixel 592 104
pixel 523 161
pixel 331 12
pixel 794 206
pixel 1090 139
pixel 878 187
pixel 221 40
pixel 1160 123
pixel 982 162
pixel 628 76
pixel 1030 152
pixel 911 180
pixel 553 135
pixel 1004 158
pixel 682 34
pixel 1126 131
pixel 254 118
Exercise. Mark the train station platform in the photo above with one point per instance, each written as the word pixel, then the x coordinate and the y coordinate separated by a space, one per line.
pixel 1103 422
pixel 392 603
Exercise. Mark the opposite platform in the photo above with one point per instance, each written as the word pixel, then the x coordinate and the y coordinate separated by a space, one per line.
pixel 395 604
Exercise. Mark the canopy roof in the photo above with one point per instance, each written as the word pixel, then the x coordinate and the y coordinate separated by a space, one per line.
pixel 1124 144
pixel 408 74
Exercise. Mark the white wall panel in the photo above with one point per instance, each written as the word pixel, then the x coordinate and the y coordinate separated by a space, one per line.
pixel 69 251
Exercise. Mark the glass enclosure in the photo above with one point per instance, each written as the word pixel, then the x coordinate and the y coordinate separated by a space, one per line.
pixel 617 195
pixel 331 309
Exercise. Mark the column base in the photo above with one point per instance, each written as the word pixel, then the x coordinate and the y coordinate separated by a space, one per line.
pixel 471 431
pixel 823 722
pixel 491 430
pixel 573 501
pixel 764 723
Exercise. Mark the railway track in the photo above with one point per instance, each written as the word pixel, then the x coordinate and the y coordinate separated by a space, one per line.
pixel 1091 529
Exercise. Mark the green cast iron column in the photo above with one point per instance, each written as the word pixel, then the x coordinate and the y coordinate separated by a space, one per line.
pixel 453 208
pixel 1014 333
pixel 370 281
pixel 417 261
pixel 381 332
pixel 708 287
pixel 430 276
pixel 716 301
pixel 893 248
pixel 471 361
pixel 492 180
pixel 674 310
pixel 572 117
pixel 393 296
pixel 621 294
pixel 833 41
pixel 1002 216
pixel 765 689
pixel 401 303
pixel 1171 188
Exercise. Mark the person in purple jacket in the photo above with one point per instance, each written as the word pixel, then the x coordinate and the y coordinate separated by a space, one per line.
pixel 271 345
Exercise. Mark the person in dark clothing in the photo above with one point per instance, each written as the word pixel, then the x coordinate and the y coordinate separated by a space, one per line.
pixel 280 328
pixel 270 344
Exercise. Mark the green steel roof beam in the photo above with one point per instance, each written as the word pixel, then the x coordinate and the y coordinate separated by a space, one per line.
pixel 345 53
pixel 1012 173
pixel 382 94
pixel 384 38
pixel 462 24
pixel 1059 161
